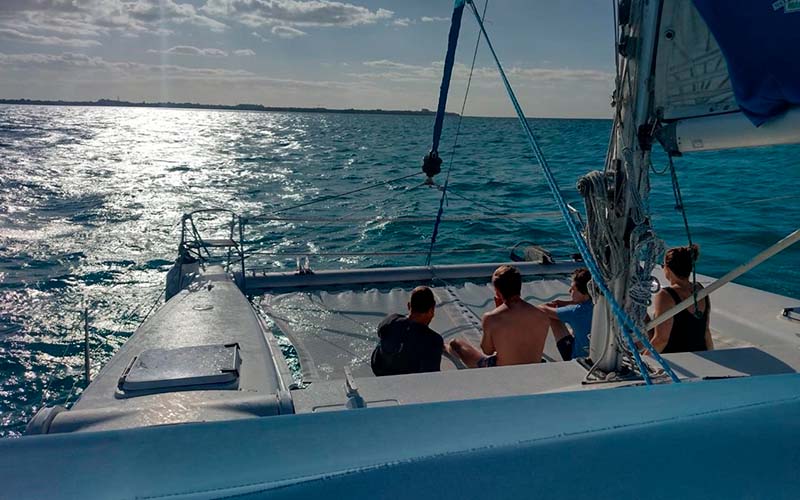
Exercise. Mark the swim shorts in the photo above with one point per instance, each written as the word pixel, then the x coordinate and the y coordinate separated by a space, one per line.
pixel 488 361
pixel 565 346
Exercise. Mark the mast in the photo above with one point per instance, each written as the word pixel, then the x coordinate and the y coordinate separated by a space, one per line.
pixel 617 199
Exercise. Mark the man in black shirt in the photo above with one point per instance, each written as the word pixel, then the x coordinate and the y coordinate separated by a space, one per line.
pixel 406 344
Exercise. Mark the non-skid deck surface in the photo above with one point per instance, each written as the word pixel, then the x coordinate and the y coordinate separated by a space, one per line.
pixel 332 330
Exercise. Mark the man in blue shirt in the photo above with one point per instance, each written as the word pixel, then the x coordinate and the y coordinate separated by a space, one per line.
pixel 577 313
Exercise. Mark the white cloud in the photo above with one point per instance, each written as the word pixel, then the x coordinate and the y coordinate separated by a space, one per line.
pixel 43 22
pixel 256 13
pixel 392 70
pixel 188 50
pixel 18 36
pixel 159 11
pixel 90 68
pixel 244 52
pixel 265 40
pixel 217 85
pixel 287 32
pixel 402 22
pixel 94 17
pixel 426 19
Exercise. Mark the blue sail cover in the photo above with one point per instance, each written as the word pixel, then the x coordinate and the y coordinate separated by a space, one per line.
pixel 759 39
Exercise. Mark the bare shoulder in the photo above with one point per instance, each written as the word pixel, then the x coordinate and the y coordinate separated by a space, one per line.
pixel 533 310
pixel 494 313
pixel 662 298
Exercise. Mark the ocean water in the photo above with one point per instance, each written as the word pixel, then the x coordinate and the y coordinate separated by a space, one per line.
pixel 91 199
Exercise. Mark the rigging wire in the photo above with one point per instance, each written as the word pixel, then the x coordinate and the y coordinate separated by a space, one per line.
pixel 455 143
pixel 628 327
pixel 676 190
pixel 401 219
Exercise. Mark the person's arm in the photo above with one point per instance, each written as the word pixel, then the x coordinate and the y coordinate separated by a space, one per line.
pixel 487 343
pixel 709 340
pixel 550 310
pixel 662 303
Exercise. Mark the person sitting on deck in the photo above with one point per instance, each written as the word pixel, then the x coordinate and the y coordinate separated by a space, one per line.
pixel 688 330
pixel 513 333
pixel 407 344
pixel 577 313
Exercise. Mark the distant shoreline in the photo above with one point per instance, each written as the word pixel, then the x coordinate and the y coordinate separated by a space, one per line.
pixel 236 107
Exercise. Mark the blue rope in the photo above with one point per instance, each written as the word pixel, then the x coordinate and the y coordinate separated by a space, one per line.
pixel 437 127
pixel 626 322
pixel 438 220
pixel 449 60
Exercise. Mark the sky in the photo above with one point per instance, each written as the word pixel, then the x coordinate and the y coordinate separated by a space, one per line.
pixel 338 54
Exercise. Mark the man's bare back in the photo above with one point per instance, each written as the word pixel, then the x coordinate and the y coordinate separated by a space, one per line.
pixel 517 331
pixel 513 333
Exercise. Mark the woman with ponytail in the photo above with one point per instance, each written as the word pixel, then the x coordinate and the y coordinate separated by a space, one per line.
pixel 688 330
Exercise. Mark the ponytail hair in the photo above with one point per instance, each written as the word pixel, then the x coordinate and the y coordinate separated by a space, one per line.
pixel 680 260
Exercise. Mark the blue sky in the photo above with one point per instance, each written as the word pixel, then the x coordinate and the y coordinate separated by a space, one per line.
pixel 361 54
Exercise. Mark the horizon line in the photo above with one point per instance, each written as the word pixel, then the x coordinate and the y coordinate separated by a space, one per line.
pixel 257 108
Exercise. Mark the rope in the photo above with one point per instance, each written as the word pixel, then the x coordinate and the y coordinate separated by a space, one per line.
pixel 152 307
pixel 455 141
pixel 455 218
pixel 627 325
pixel 366 254
pixel 676 191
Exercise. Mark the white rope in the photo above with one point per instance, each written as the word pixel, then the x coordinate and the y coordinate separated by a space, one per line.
pixel 732 275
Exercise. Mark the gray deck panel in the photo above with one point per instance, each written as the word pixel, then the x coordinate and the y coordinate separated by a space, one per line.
pixel 443 386
pixel 211 312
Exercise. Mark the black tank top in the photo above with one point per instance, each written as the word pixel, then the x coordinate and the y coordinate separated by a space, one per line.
pixel 688 332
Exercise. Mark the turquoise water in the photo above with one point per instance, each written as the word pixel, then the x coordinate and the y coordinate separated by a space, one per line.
pixel 91 198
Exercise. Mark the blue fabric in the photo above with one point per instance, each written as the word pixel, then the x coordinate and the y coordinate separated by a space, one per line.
pixel 759 40
pixel 579 318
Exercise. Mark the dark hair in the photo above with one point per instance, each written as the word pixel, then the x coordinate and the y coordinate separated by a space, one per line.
pixel 508 281
pixel 422 300
pixel 581 277
pixel 680 260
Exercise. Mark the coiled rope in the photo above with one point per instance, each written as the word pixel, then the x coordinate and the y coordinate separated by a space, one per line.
pixel 627 326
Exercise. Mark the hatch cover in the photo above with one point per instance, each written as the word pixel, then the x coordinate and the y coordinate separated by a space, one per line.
pixel 184 366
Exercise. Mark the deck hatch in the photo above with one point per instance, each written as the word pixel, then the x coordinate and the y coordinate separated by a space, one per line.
pixel 184 366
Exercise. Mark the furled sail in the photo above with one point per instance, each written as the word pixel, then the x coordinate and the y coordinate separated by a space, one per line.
pixel 758 40
pixel 691 75
pixel 717 77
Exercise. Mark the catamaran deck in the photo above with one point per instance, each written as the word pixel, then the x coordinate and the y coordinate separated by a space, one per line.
pixel 334 331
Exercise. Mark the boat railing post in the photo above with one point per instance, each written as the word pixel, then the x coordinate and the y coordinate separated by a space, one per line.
pixel 241 253
pixel 86 347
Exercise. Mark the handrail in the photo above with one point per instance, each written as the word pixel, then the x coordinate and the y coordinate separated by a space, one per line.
pixel 733 274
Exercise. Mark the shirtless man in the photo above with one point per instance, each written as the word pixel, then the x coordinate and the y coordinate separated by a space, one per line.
pixel 513 333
